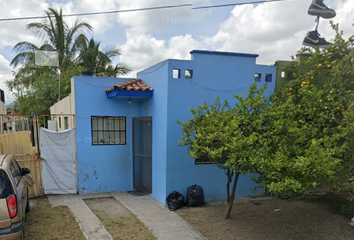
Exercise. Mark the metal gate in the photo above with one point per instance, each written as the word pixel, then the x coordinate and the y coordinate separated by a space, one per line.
pixel 19 136
pixel 142 154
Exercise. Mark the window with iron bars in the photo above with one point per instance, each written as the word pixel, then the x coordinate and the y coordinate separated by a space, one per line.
pixel 108 130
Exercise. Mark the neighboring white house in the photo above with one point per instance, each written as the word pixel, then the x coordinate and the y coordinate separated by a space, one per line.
pixel 65 110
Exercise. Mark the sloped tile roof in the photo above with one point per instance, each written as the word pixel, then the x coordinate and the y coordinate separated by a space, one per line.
pixel 135 84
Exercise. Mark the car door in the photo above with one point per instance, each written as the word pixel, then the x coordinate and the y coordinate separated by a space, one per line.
pixel 21 190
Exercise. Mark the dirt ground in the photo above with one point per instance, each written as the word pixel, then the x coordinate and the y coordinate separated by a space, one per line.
pixel 118 220
pixel 291 220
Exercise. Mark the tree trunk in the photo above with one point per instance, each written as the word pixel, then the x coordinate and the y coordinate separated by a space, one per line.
pixel 232 197
pixel 229 179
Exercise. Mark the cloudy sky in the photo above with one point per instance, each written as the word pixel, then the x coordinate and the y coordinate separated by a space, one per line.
pixel 274 30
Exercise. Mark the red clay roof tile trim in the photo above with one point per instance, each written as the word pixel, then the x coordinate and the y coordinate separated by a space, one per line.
pixel 135 84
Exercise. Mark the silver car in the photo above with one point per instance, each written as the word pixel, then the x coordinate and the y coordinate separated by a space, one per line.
pixel 14 201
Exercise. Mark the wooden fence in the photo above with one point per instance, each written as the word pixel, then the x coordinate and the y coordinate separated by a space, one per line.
pixel 33 162
pixel 19 145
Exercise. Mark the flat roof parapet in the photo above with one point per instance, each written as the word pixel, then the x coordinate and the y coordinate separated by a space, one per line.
pixel 234 54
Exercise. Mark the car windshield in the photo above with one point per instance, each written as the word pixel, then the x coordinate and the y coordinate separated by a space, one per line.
pixel 5 185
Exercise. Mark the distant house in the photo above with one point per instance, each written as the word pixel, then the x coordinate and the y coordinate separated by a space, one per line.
pixel 64 109
pixel 127 131
pixel 2 110
pixel 283 77
pixel 2 102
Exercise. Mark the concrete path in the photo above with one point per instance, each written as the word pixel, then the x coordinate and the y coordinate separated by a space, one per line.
pixel 88 222
pixel 163 223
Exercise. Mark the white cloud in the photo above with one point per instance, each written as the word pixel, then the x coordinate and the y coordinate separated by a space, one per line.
pixel 345 17
pixel 273 30
pixel 143 50
pixel 100 23
pixel 162 18
pixel 12 32
pixel 180 46
pixel 5 74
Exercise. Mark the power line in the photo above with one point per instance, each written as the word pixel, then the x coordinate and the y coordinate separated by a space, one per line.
pixel 141 9
pixel 100 13
pixel 236 4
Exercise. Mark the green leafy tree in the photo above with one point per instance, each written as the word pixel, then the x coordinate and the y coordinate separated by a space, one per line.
pixel 233 138
pixel 38 85
pixel 312 121
pixel 302 139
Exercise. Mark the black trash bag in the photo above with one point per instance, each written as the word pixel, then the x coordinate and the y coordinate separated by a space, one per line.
pixel 195 196
pixel 175 200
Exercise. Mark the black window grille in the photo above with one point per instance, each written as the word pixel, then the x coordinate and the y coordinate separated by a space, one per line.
pixel 107 130
pixel 200 161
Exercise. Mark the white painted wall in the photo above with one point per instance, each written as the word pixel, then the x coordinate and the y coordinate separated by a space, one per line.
pixel 2 108
pixel 66 107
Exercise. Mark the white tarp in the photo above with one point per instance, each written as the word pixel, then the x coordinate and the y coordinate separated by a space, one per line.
pixel 58 152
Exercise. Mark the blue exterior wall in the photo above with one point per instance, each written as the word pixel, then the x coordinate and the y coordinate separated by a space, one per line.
pixel 214 75
pixel 109 168
pixel 156 107
pixel 102 168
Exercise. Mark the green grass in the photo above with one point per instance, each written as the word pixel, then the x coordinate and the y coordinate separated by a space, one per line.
pixel 45 222
pixel 340 204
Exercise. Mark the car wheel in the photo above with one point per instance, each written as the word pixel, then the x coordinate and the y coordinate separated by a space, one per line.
pixel 28 208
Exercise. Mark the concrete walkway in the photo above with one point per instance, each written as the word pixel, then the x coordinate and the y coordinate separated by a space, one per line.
pixel 163 223
pixel 90 225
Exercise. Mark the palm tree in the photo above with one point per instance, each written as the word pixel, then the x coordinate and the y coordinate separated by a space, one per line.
pixel 99 62
pixel 30 80
pixel 57 36
pixel 75 53
pixel 114 71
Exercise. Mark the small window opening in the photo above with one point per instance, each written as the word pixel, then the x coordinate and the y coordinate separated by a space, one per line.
pixel 257 77
pixel 282 74
pixel 268 77
pixel 66 122
pixel 59 122
pixel 188 74
pixel 176 73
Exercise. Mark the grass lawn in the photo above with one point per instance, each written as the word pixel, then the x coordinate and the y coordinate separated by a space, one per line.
pixel 118 220
pixel 50 223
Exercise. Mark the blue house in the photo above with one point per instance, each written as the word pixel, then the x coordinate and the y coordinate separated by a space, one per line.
pixel 127 131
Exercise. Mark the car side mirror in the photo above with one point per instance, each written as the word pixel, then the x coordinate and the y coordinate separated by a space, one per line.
pixel 25 171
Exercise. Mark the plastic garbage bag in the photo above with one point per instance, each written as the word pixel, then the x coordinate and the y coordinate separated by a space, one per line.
pixel 175 201
pixel 195 196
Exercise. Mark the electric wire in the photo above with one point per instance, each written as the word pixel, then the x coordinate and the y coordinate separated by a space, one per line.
pixel 141 9
pixel 236 4
pixel 101 13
